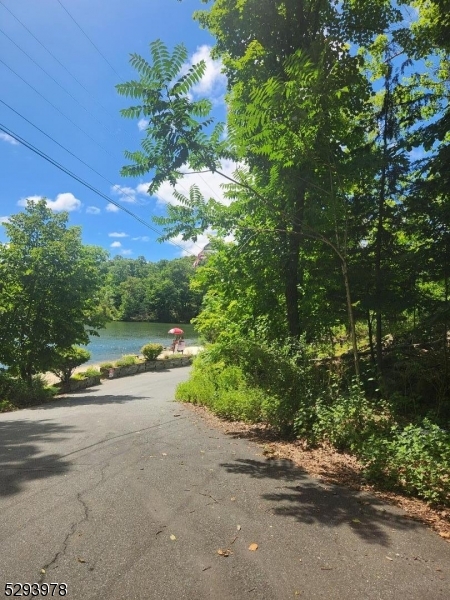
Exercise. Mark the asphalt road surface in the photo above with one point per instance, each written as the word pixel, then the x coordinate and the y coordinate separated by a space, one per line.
pixel 123 494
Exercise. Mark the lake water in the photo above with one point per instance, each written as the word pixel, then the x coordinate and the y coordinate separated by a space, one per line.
pixel 119 338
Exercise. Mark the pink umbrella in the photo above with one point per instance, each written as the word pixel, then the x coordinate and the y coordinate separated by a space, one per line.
pixel 176 331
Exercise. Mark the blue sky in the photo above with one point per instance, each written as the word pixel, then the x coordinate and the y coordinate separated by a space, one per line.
pixel 94 130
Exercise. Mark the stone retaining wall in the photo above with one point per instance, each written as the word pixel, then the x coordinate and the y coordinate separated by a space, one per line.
pixel 150 365
pixel 116 372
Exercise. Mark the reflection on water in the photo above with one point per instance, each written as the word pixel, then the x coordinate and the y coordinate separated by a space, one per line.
pixel 119 338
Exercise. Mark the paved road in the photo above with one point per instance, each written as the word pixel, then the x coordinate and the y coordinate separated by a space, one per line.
pixel 92 488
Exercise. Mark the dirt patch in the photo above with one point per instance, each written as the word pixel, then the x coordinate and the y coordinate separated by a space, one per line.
pixel 329 466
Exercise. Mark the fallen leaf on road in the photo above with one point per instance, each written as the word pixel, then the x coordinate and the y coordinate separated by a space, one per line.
pixel 173 538
pixel 81 560
pixel 445 535
pixel 164 453
pixel 356 521
pixel 42 571
pixel 177 415
pixel 253 547
pixel 224 552
pixel 232 499
pixel 389 558
pixel 238 527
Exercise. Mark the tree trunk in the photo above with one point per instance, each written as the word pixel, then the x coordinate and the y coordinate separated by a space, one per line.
pixel 380 228
pixel 291 286
pixel 351 318
pixel 370 331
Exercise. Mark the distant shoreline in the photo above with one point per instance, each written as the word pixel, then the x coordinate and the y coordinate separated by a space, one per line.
pixel 51 378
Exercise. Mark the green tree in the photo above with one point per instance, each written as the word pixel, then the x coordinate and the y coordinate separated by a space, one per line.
pixel 66 361
pixel 49 286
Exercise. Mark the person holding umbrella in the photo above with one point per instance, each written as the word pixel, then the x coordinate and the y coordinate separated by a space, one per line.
pixel 178 335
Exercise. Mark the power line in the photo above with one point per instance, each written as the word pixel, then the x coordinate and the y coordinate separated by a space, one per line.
pixel 70 152
pixel 57 60
pixel 55 107
pixel 83 182
pixel 57 82
pixel 61 146
pixel 89 39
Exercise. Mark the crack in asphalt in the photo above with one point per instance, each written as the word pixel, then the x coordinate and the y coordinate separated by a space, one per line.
pixel 65 543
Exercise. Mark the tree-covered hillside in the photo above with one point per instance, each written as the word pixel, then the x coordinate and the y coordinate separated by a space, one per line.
pixel 140 290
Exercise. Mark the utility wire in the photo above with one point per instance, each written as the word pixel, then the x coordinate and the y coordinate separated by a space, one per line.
pixel 58 61
pixel 62 87
pixel 56 108
pixel 57 82
pixel 83 182
pixel 70 152
pixel 61 146
pixel 89 39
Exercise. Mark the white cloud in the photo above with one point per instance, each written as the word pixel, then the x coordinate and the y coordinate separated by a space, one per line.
pixel 142 124
pixel 190 248
pixel 125 193
pixel 65 201
pixel 213 83
pixel 116 245
pixel 126 252
pixel 116 234
pixel 93 210
pixel 209 185
pixel 142 238
pixel 4 219
pixel 112 208
pixel 142 188
pixel 7 138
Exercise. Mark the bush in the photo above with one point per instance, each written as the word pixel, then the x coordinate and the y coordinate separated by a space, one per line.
pixel 106 365
pixel 418 460
pixel 92 372
pixel 16 392
pixel 67 361
pixel 127 360
pixel 151 351
pixel 6 406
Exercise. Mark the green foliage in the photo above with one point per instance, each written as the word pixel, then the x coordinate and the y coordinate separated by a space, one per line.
pixel 127 360
pixel 14 392
pixel 223 389
pixel 176 122
pixel 6 406
pixel 106 365
pixel 67 360
pixel 151 351
pixel 413 458
pixel 92 372
pixel 49 283
pixel 331 220
pixel 138 290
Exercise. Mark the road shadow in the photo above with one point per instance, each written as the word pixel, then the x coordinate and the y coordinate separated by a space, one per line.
pixel 299 497
pixel 86 397
pixel 22 457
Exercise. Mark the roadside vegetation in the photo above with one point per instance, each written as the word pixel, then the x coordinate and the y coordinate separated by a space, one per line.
pixel 327 315
pixel 55 292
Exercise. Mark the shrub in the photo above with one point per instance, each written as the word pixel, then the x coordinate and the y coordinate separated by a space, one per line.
pixel 417 459
pixel 67 361
pixel 92 372
pixel 14 391
pixel 6 406
pixel 127 360
pixel 106 365
pixel 151 351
